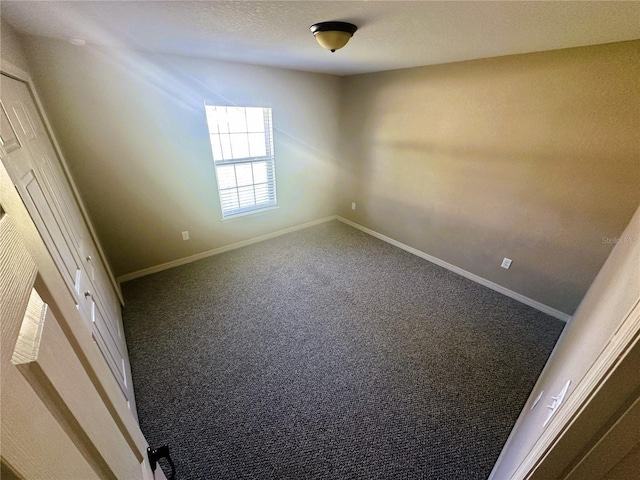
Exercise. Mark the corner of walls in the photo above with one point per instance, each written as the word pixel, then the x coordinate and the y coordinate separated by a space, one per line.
pixel 588 349
pixel 348 183
pixel 11 49
pixel 144 166
pixel 493 286
pixel 531 157
pixel 14 50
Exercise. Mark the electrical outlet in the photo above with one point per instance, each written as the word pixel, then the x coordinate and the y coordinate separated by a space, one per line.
pixel 353 205
pixel 185 235
pixel 506 263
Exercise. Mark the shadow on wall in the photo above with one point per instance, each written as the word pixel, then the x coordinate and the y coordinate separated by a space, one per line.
pixel 436 235
pixel 485 207
pixel 144 165
pixel 533 157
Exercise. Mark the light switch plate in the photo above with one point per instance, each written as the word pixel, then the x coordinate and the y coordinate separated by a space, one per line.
pixel 506 263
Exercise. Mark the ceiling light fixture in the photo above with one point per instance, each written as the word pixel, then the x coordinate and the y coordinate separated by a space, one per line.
pixel 333 35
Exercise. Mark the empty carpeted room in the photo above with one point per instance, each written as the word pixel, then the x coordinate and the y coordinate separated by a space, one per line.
pixel 320 240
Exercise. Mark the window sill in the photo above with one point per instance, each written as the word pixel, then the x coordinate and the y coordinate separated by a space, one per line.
pixel 246 214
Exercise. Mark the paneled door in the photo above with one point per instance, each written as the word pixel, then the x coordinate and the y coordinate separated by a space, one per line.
pixel 62 415
pixel 34 167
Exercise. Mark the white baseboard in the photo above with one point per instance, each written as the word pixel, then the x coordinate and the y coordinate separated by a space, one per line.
pixel 471 276
pixel 199 256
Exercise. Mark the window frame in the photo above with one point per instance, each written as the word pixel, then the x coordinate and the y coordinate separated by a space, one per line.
pixel 268 158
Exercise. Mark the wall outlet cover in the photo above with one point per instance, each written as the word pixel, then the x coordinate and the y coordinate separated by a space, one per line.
pixel 506 263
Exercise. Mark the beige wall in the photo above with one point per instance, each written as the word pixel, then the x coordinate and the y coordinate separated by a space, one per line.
pixel 533 157
pixel 11 47
pixel 133 129
pixel 606 305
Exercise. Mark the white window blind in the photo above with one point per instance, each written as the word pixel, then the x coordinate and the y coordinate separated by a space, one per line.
pixel 242 148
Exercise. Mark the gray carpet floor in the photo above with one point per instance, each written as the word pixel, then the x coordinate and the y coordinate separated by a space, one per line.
pixel 329 354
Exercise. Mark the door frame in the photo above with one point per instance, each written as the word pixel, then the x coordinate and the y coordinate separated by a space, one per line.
pixel 592 415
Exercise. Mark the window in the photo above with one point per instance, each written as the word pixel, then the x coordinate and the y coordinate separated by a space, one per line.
pixel 242 147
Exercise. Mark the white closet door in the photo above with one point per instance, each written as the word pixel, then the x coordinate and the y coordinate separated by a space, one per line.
pixel 32 163
pixel 61 414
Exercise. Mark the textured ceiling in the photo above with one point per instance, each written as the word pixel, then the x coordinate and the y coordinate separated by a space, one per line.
pixel 391 34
